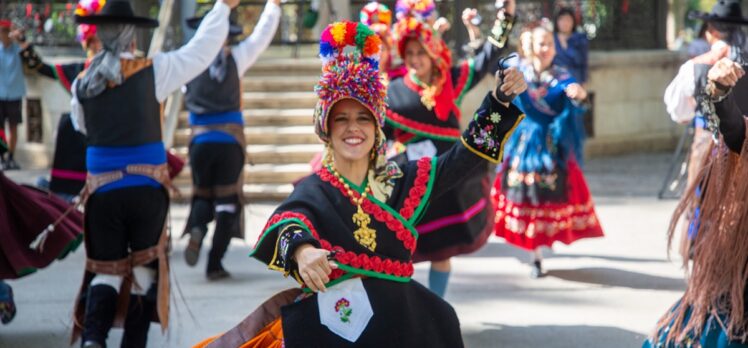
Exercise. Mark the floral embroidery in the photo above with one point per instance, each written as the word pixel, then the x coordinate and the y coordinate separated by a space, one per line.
pixel 489 130
pixel 342 307
pixel 516 178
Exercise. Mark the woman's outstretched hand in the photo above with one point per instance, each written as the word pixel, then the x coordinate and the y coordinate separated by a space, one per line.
pixel 512 84
pixel 314 267
pixel 726 74
pixel 575 91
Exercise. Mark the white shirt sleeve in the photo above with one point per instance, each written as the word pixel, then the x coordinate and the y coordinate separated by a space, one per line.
pixel 247 51
pixel 76 110
pixel 679 99
pixel 174 69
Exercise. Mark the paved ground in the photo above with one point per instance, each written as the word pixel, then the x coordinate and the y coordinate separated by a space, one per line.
pixel 607 291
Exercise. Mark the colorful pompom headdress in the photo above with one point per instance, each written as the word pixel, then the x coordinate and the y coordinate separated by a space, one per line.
pixel 354 74
pixel 349 75
pixel 376 16
pixel 87 8
pixel 421 9
pixel 412 28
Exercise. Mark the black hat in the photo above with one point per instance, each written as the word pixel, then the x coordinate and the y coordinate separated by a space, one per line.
pixel 234 28
pixel 117 12
pixel 724 11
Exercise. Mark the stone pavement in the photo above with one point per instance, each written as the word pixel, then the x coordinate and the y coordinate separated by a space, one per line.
pixel 602 292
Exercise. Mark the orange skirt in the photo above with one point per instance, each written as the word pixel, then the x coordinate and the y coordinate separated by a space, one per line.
pixel 271 336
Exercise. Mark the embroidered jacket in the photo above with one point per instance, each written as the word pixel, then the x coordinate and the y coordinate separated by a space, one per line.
pixel 319 212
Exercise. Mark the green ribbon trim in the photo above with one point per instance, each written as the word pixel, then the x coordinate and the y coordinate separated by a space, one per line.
pixel 274 226
pixel 425 199
pixel 420 132
pixel 466 88
pixel 352 271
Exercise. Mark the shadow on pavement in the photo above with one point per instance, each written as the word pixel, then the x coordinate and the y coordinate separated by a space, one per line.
pixel 506 250
pixel 551 336
pixel 618 278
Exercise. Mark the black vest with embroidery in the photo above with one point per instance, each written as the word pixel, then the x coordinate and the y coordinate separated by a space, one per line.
pixel 205 95
pixel 126 115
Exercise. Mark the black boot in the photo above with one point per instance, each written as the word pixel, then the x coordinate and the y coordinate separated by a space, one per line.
pixel 226 224
pixel 537 270
pixel 138 321
pixel 201 213
pixel 101 306
pixel 192 253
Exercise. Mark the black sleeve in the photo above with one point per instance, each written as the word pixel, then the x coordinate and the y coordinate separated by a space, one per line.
pixel 731 123
pixel 485 60
pixel 32 61
pixel 482 142
pixel 290 237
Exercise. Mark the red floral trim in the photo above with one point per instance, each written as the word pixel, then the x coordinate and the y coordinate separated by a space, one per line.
pixel 372 263
pixel 422 127
pixel 289 215
pixel 362 261
pixel 401 232
pixel 464 76
pixel 419 188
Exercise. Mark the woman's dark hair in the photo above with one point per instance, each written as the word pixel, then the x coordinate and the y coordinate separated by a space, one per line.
pixel 734 36
pixel 565 11
pixel 702 30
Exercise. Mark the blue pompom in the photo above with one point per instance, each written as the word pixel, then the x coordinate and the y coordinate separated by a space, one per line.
pixel 325 49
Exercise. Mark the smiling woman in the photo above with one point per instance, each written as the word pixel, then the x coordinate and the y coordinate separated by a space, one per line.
pixel 353 133
pixel 347 233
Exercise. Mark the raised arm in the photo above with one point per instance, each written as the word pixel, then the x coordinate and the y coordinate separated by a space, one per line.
pixel 722 77
pixel 174 69
pixel 468 73
pixel 483 140
pixel 63 73
pixel 247 51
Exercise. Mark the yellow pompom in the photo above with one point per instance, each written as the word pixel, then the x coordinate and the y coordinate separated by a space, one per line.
pixel 338 33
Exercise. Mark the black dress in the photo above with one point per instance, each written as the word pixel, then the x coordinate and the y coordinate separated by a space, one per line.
pixel 69 163
pixel 319 211
pixel 459 221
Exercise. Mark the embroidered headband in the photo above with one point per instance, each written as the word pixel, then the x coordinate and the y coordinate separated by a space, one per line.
pixel 4 23
pixel 86 8
pixel 352 75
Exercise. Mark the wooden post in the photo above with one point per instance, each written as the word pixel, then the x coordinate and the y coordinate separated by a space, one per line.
pixel 173 104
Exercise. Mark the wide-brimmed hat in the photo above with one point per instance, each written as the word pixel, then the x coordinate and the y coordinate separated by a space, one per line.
pixel 234 27
pixel 117 12
pixel 724 11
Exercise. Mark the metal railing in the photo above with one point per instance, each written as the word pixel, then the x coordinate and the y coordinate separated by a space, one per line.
pixel 46 24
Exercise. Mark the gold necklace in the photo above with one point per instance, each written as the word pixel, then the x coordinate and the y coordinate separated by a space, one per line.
pixel 428 93
pixel 364 235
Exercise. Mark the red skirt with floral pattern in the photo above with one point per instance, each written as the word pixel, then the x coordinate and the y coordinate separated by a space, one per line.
pixel 529 226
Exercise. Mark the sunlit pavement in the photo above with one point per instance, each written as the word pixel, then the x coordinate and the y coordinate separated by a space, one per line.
pixel 598 292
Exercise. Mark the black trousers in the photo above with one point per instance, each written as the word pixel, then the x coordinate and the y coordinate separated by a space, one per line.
pixel 124 220
pixel 216 164
pixel 119 222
